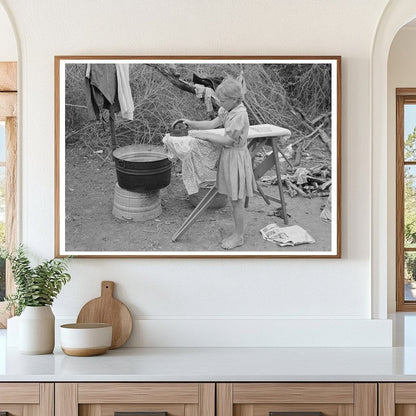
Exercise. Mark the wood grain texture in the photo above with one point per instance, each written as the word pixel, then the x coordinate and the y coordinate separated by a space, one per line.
pixel 111 311
pixel 207 399
pixel 339 152
pixel 11 207
pixel 246 410
pixel 30 410
pixel 405 410
pixel 263 409
pixel 190 410
pixel 337 93
pixel 13 409
pixel 11 196
pixel 66 399
pixel 386 399
pixel 110 409
pixel 8 76
pixel 90 410
pixel 403 96
pixel 405 393
pixel 47 399
pixel 138 393
pixel 8 105
pixel 293 393
pixel 405 91
pixel 224 399
pixel 346 410
pixel 400 304
pixel 365 399
pixel 27 393
pixel 57 160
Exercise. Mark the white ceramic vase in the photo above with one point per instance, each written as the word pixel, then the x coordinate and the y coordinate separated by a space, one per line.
pixel 12 334
pixel 37 330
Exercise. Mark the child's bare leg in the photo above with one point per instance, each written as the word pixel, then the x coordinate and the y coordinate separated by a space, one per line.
pixel 237 238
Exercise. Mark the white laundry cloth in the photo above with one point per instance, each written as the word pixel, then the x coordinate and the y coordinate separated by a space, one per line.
pixel 178 147
pixel 208 97
pixel 124 91
pixel 199 90
pixel 286 236
pixel 207 94
pixel 199 159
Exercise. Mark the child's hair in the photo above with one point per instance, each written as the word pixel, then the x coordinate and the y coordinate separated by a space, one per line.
pixel 230 88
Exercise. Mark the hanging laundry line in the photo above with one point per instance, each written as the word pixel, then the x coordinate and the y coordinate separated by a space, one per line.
pixel 108 87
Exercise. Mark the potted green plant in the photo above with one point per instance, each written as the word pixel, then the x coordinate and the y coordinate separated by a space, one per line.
pixel 36 289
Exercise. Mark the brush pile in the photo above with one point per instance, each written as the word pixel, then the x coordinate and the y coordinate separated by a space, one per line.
pixel 307 182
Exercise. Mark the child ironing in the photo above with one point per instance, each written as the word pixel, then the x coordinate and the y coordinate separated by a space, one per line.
pixel 235 176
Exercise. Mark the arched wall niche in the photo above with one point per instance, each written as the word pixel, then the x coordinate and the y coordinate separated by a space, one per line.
pixel 9 46
pixel 397 14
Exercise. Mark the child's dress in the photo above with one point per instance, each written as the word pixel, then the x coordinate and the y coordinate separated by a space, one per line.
pixel 235 176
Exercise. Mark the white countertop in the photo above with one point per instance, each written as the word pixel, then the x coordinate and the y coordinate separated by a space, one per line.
pixel 222 364
pixel 215 364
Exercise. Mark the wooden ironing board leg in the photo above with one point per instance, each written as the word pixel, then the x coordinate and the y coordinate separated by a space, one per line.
pixel 199 209
pixel 279 181
pixel 113 129
pixel 263 195
pixel 268 164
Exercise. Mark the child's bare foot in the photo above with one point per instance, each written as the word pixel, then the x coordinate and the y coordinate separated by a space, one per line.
pixel 232 242
pixel 225 240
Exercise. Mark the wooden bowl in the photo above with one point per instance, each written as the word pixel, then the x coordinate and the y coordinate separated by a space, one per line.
pixel 84 340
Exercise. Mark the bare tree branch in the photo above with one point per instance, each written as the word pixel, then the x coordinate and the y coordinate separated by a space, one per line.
pixel 173 77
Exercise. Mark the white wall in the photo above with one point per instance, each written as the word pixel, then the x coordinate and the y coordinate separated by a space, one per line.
pixel 212 301
pixel 401 74
pixel 8 46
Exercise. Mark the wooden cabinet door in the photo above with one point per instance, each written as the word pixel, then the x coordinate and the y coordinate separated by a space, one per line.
pixel 26 399
pixel 397 399
pixel 297 399
pixel 143 399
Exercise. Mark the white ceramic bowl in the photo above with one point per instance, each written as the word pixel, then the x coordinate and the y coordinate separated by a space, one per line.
pixel 85 339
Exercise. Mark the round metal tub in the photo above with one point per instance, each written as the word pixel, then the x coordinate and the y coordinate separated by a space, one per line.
pixel 139 170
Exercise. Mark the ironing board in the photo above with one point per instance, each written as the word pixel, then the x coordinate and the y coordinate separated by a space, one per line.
pixel 258 136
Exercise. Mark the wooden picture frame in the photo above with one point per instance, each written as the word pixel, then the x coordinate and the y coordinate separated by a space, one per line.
pixel 405 301
pixel 111 111
pixel 8 116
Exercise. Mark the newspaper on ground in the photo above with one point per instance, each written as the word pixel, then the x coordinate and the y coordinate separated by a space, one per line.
pixel 292 235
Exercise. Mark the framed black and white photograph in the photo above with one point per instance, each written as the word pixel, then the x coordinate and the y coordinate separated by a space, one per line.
pixel 198 156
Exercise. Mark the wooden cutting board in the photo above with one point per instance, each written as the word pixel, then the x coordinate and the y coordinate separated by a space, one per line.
pixel 109 310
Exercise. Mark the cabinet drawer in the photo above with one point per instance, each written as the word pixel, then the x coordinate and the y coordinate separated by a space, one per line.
pixel 297 399
pixel 21 399
pixel 397 399
pixel 138 393
pixel 147 399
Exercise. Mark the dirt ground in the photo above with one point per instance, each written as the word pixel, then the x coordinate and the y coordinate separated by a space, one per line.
pixel 90 225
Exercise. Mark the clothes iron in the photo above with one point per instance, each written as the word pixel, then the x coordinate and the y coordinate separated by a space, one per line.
pixel 178 129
